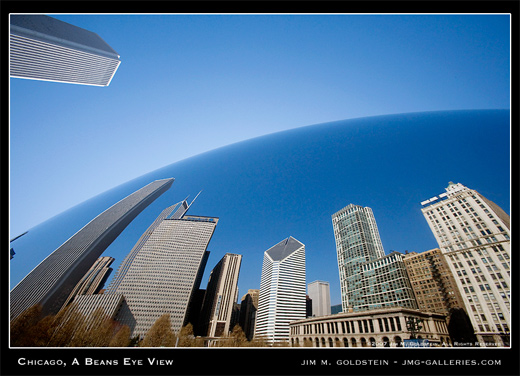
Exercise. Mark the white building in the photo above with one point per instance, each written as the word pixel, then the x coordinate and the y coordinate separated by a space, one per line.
pixel 474 235
pixel 165 273
pixel 319 292
pixel 282 290
pixel 47 49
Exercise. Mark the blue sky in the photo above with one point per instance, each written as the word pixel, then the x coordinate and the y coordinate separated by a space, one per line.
pixel 190 83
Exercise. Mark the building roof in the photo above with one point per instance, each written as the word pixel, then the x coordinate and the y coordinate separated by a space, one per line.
pixel 49 29
pixel 284 248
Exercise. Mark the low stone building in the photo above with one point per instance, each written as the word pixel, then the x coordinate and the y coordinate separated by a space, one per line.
pixel 388 327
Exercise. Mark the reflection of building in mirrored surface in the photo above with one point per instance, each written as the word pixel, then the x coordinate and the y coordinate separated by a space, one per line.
pixel 282 290
pixel 376 328
pixel 357 242
pixel 432 281
pixel 248 309
pixel 112 305
pixel 51 282
pixel 94 280
pixel 163 271
pixel 11 250
pixel 319 293
pixel 474 235
pixel 369 279
pixel 221 296
pixel 253 185
pixel 44 48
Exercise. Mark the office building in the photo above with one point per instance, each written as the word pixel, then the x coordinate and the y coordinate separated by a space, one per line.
pixel 248 311
pixel 52 281
pixel 164 275
pixel 178 211
pixel 357 241
pixel 44 48
pixel 473 233
pixel 388 327
pixel 94 280
pixel 221 296
pixel 432 281
pixel 282 290
pixel 319 293
pixel 385 283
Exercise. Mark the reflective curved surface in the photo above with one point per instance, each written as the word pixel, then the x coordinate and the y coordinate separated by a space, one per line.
pixel 290 183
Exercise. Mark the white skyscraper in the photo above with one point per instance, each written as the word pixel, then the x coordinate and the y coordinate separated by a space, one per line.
pixel 47 49
pixel 165 271
pixel 474 235
pixel 319 292
pixel 282 290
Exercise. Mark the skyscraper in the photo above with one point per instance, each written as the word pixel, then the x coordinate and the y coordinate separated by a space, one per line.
pixel 282 290
pixel 319 292
pixel 357 242
pixel 248 310
pixel 165 272
pixel 180 209
pixel 44 48
pixel 474 235
pixel 51 282
pixel 93 280
pixel 221 295
pixel 385 283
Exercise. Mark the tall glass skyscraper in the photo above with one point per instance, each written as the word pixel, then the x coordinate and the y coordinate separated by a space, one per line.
pixel 474 235
pixel 282 290
pixel 51 282
pixel 164 270
pixel 357 242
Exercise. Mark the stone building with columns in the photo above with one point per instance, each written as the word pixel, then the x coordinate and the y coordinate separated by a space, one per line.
pixel 388 327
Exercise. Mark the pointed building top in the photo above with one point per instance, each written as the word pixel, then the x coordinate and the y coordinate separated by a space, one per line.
pixel 283 249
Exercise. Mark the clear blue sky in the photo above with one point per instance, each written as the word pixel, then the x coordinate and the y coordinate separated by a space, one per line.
pixel 188 84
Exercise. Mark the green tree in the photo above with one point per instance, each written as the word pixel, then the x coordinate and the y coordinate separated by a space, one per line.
pixel 160 334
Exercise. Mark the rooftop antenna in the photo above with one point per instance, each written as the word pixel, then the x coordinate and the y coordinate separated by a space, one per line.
pixel 194 199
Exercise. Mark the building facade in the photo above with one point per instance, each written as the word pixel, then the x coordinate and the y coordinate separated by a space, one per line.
pixel 385 283
pixel 93 280
pixel 387 327
pixel 319 293
pixel 52 281
pixel 282 290
pixel 432 281
pixel 165 275
pixel 474 235
pixel 44 48
pixel 357 241
pixel 178 211
pixel 369 279
pixel 221 296
pixel 248 310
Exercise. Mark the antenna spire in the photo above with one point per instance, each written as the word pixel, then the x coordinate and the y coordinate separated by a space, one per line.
pixel 194 199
